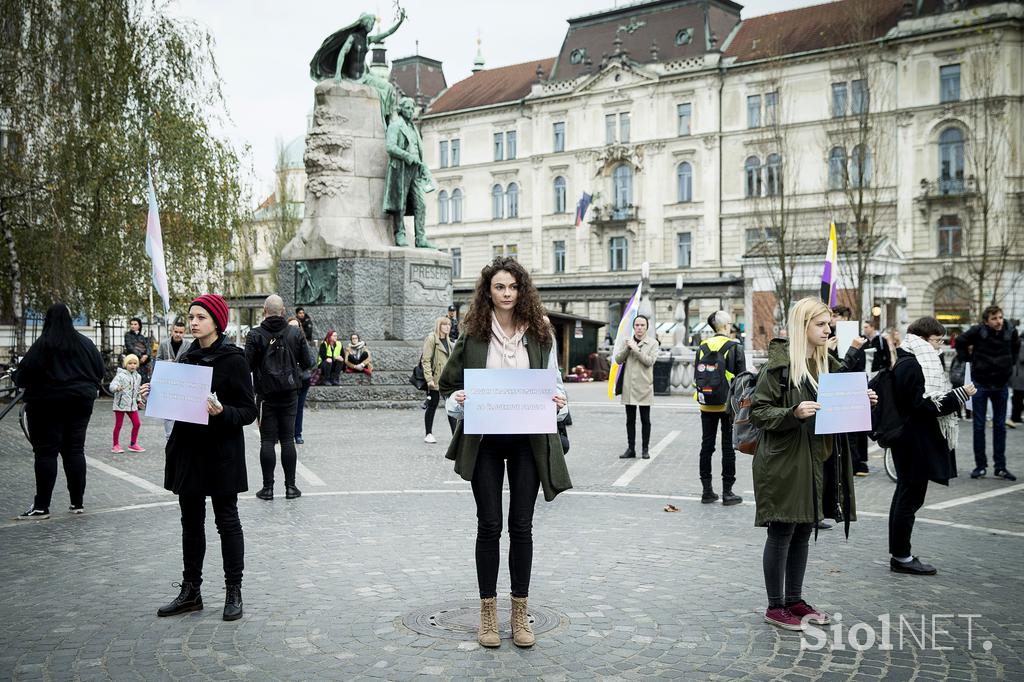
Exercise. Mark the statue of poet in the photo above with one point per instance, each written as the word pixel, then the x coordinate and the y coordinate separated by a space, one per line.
pixel 407 180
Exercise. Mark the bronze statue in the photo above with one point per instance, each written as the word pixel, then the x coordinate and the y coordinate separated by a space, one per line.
pixel 407 179
pixel 343 56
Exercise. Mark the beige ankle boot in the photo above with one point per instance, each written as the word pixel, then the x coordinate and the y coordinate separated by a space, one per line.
pixel 489 623
pixel 522 635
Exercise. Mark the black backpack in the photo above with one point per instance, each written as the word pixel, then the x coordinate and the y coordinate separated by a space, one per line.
pixel 279 372
pixel 886 421
pixel 709 375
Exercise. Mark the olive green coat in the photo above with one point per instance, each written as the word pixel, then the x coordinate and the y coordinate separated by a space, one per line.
pixel 798 477
pixel 471 353
pixel 435 357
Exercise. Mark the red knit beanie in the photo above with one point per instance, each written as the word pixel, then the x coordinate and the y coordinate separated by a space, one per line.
pixel 217 307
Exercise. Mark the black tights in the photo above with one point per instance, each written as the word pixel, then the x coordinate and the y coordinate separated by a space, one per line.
pixel 59 429
pixel 433 397
pixel 785 561
pixel 523 484
pixel 277 423
pixel 193 536
pixel 645 425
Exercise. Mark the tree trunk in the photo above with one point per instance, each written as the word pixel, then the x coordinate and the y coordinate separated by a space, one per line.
pixel 16 310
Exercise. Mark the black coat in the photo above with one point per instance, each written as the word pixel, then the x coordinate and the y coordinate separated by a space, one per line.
pixel 53 376
pixel 992 353
pixel 259 338
pixel 882 357
pixel 921 452
pixel 210 459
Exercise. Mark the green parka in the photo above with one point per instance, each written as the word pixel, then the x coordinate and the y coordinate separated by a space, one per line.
pixel 471 353
pixel 798 477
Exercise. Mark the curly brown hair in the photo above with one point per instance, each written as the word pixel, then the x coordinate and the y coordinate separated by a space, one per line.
pixel 529 311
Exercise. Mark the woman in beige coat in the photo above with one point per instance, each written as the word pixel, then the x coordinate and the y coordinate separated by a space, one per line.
pixel 637 358
pixel 436 349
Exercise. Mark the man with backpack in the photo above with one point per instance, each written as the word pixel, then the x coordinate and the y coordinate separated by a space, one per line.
pixel 718 361
pixel 276 353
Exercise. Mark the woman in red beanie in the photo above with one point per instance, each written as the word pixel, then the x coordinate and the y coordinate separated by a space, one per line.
pixel 209 460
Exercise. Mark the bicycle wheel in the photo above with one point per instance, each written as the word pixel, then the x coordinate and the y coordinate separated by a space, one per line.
pixel 890 465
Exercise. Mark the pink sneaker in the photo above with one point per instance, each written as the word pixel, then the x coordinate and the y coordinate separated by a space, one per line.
pixel 136 448
pixel 117 449
pixel 802 610
pixel 783 618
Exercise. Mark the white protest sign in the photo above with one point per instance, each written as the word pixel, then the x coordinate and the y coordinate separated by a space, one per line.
pixel 846 332
pixel 845 407
pixel 967 374
pixel 178 391
pixel 510 401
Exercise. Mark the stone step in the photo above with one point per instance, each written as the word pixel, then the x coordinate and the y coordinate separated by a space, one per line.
pixel 366 405
pixel 379 378
pixel 360 393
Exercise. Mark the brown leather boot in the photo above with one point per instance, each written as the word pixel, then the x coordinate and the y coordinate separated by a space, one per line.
pixel 489 623
pixel 522 635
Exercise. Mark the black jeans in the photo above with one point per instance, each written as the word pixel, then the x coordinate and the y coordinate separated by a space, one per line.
pixel 645 425
pixel 1017 404
pixel 300 408
pixel 193 536
pixel 979 404
pixel 433 397
pixel 523 484
pixel 277 423
pixel 859 443
pixel 785 561
pixel 59 428
pixel 906 500
pixel 709 422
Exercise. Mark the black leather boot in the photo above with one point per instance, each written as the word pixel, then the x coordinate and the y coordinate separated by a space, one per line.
pixel 630 453
pixel 291 492
pixel 729 498
pixel 646 453
pixel 266 492
pixel 709 494
pixel 188 600
pixel 233 602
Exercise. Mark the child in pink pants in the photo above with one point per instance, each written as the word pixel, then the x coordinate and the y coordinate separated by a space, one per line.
pixel 125 387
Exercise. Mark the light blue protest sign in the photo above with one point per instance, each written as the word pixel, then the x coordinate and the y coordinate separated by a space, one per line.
pixel 845 407
pixel 178 391
pixel 510 401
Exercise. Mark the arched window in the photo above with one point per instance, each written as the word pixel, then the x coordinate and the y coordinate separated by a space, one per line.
pixel 512 194
pixel 684 182
pixel 622 179
pixel 497 203
pixel 773 175
pixel 752 173
pixel 951 161
pixel 442 207
pixel 456 204
pixel 559 194
pixel 860 166
pixel 837 168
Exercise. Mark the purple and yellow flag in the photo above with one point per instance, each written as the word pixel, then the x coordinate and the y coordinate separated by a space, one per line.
pixel 621 336
pixel 828 274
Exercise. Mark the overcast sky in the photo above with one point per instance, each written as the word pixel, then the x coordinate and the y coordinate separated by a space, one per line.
pixel 263 49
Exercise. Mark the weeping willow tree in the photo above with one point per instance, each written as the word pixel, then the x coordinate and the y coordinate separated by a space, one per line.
pixel 92 92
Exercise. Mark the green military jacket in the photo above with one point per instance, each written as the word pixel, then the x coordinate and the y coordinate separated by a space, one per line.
pixel 471 353
pixel 798 477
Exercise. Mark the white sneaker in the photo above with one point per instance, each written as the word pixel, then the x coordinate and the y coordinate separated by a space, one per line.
pixel 429 438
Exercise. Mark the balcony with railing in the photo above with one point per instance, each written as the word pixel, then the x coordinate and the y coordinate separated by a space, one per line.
pixel 949 187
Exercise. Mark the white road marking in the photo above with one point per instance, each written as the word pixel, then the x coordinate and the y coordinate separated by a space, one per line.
pixel 974 498
pixel 308 475
pixel 576 493
pixel 641 464
pixel 125 476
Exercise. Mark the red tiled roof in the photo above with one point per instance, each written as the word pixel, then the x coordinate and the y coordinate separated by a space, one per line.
pixel 491 86
pixel 813 28
pixel 410 74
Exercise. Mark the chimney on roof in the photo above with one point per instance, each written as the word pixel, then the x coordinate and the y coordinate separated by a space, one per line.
pixel 478 63
pixel 540 73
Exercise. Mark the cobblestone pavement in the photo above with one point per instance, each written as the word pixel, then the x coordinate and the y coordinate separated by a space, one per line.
pixel 383 536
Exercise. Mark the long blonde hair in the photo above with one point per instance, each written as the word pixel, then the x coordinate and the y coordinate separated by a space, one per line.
pixel 437 326
pixel 800 316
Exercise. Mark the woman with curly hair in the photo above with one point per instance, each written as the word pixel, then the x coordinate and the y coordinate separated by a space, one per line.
pixel 505 328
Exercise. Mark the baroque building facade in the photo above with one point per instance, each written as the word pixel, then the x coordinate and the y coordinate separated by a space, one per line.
pixel 719 149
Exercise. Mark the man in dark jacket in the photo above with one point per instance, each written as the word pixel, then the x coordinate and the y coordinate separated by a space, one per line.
pixel 276 353
pixel 991 348
pixel 453 315
pixel 137 344
pixel 305 322
pixel 877 341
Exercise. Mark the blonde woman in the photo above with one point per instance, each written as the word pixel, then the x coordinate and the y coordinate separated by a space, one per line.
pixel 436 349
pixel 799 478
